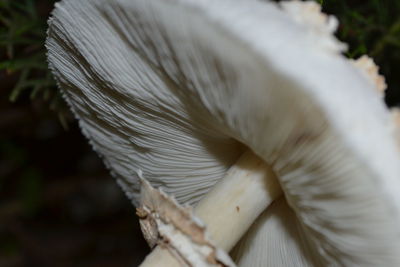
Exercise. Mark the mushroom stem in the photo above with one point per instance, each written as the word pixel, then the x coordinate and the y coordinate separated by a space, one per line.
pixel 160 256
pixel 232 206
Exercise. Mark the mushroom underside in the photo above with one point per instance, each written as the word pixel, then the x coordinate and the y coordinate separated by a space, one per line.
pixel 215 88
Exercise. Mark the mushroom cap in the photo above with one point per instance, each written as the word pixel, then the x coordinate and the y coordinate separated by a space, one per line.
pixel 178 88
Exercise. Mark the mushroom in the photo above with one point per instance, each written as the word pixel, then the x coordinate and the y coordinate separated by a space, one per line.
pixel 180 89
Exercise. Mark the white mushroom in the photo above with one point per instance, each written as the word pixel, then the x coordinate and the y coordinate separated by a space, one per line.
pixel 180 88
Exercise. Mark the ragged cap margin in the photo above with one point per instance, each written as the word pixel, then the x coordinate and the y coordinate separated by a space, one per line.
pixel 164 222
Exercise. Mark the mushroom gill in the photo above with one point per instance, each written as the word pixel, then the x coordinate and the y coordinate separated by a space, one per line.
pixel 173 88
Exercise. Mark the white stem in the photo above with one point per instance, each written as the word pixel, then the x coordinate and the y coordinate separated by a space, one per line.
pixel 160 257
pixel 232 206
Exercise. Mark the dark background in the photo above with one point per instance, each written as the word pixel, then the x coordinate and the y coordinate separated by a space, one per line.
pixel 58 205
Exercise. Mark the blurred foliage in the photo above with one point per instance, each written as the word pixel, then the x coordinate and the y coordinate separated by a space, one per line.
pixel 23 25
pixel 372 27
